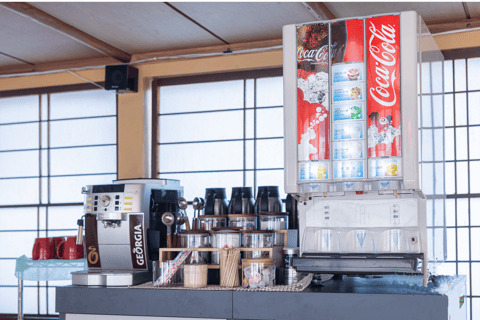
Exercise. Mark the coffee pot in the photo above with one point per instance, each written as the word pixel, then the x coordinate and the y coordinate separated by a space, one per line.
pixel 215 201
pixel 268 200
pixel 241 201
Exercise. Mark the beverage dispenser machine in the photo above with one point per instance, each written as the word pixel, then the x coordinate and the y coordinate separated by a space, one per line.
pixel 353 152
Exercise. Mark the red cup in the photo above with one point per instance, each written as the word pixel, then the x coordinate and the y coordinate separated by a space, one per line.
pixel 69 250
pixel 56 242
pixel 43 249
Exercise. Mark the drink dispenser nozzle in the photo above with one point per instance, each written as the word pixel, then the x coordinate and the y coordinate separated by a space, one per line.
pixel 80 231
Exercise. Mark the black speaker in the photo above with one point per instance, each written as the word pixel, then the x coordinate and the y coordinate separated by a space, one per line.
pixel 121 78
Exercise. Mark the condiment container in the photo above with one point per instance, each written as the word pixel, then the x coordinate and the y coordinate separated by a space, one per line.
pixel 195 275
pixel 291 276
pixel 224 237
pixel 258 273
pixel 212 221
pixel 274 221
pixel 244 221
pixel 257 239
pixel 195 239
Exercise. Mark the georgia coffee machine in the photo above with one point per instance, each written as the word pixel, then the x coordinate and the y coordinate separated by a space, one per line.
pixel 124 231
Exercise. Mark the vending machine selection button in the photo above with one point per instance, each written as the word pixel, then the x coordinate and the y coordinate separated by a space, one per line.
pixel 128 203
pixel 95 209
pixel 117 208
pixel 117 197
pixel 128 198
pixel 117 203
pixel 96 197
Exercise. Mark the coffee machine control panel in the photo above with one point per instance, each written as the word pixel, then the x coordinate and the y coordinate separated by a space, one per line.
pixel 111 202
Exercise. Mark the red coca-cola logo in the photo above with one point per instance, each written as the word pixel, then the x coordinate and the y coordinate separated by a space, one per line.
pixel 383 81
pixel 383 52
pixel 316 55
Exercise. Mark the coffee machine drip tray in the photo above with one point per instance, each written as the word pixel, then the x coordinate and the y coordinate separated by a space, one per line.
pixel 109 278
pixel 360 263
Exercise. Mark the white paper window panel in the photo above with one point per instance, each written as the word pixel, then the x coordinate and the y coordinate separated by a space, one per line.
pixel 201 156
pixel 462 212
pixel 435 244
pixel 475 236
pixel 473 65
pixel 426 79
pixel 250 124
pixel 18 218
pixel 461 143
pixel 44 134
pixel 270 153
pixel 7 276
pixel 451 245
pixel 437 76
pixel 8 303
pixel 272 178
pixel 64 217
pixel 19 136
pixel 201 96
pixel 79 104
pixel 83 132
pixel 476 308
pixel 23 240
pixel 447 268
pixel 474 107
pixel 194 184
pixel 19 164
pixel 432 182
pixel 435 213
pixel 42 218
pixel 461 109
pixel 249 154
pixel 475 177
pixel 19 191
pixel 201 126
pixel 427 119
pixel 463 244
pixel 270 92
pixel 250 93
pixel 448 75
pixel 449 144
pixel 44 106
pixel 448 107
pixel 432 144
pixel 438 110
pixel 462 177
pixel 474 142
pixel 450 178
pixel 269 122
pixel 475 212
pixel 83 160
pixel 450 212
pixel 460 75
pixel 475 280
pixel 464 269
pixel 19 109
pixel 68 189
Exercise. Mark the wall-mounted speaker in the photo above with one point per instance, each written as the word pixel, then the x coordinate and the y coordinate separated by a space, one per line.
pixel 122 78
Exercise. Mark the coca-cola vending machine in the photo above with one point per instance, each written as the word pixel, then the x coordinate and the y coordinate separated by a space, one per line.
pixel 352 139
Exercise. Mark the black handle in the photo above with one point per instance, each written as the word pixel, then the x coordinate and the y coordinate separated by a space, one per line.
pixel 210 204
pixel 238 203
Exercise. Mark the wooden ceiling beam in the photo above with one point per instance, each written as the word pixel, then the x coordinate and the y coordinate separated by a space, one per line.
pixel 26 10
pixel 209 50
pixel 319 10
pixel 60 65
pixel 453 25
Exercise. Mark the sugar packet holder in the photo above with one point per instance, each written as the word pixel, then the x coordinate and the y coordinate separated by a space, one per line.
pixel 177 262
